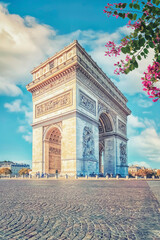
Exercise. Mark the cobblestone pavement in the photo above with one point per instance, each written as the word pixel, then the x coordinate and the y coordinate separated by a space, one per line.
pixel 54 209
pixel 155 187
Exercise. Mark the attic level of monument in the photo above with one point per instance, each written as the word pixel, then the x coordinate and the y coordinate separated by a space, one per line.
pixel 71 59
pixel 79 117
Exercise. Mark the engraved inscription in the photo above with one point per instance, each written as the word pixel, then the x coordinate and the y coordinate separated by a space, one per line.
pixel 54 104
pixel 87 103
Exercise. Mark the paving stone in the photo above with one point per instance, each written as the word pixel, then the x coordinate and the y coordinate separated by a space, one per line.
pixel 51 210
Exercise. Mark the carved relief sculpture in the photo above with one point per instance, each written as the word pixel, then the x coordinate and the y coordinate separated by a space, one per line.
pixel 123 153
pixel 87 103
pixel 88 144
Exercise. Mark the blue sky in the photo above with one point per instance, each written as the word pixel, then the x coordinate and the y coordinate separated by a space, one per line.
pixel 30 32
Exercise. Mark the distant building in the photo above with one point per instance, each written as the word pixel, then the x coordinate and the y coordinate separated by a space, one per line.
pixel 2 163
pixel 14 167
pixel 135 168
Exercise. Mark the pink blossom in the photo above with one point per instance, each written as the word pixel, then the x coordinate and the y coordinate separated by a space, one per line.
pixel 112 49
pixel 151 77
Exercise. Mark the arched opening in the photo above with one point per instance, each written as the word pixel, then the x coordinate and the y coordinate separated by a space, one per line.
pixel 105 127
pixel 53 151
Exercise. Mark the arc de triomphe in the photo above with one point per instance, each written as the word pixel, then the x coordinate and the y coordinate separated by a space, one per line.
pixel 79 117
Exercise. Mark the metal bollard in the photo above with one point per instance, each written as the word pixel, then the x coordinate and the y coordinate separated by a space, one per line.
pixel 107 177
pixel 127 177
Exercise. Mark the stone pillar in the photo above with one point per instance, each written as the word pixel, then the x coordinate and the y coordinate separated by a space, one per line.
pixel 121 161
pixel 100 162
pixel 37 150
pixel 46 156
pixel 110 156
pixel 68 147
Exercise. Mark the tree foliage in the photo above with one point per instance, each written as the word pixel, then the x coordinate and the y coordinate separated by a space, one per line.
pixel 158 173
pixel 144 20
pixel 24 171
pixel 5 171
pixel 145 172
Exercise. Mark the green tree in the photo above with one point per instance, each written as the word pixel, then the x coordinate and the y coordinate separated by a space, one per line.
pixel 144 20
pixel 5 171
pixel 24 171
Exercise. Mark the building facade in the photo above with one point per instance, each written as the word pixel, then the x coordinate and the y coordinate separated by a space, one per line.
pixel 79 117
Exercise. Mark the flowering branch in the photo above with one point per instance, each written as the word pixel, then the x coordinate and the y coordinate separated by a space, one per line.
pixel 145 36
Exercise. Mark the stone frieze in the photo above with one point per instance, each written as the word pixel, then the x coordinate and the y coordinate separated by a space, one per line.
pixel 54 104
pixel 54 83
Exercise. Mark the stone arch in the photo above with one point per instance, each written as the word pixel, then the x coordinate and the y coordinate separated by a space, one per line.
pixel 105 123
pixel 106 129
pixel 52 150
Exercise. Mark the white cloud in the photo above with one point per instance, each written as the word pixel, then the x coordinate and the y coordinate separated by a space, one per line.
pixel 18 106
pixel 14 106
pixel 135 122
pixel 25 43
pixel 28 137
pixel 146 145
pixel 10 89
pixel 144 103
pixel 144 140
pixel 22 129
